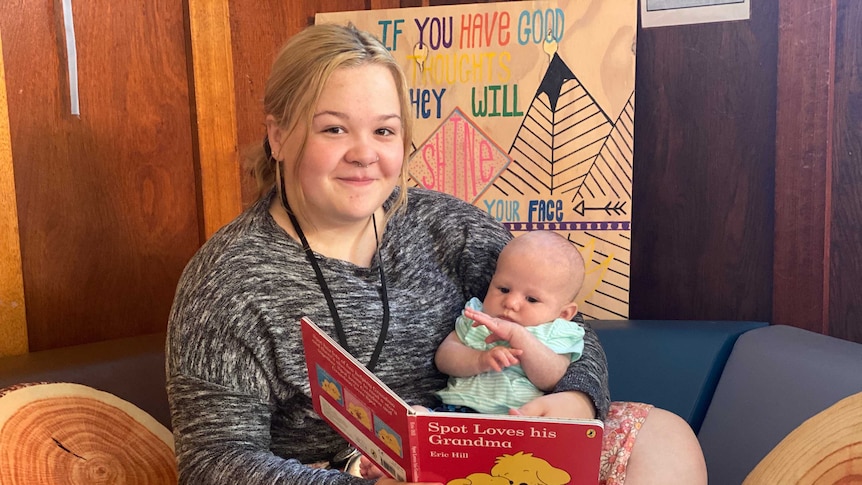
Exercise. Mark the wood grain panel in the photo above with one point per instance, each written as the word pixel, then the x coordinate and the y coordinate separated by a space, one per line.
pixel 215 113
pixel 800 281
pixel 437 3
pixel 106 200
pixel 703 170
pixel 13 321
pixel 382 4
pixel 845 314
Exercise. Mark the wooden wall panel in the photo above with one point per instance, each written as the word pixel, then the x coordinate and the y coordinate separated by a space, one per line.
pixel 13 321
pixel 703 170
pixel 215 113
pixel 382 4
pixel 802 164
pixel 845 315
pixel 106 200
pixel 437 3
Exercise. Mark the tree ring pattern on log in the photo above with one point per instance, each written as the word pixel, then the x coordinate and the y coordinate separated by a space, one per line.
pixel 60 433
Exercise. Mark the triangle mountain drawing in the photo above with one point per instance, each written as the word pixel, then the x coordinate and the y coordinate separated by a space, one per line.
pixel 560 137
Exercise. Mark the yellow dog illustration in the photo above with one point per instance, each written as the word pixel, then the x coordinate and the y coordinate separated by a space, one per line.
pixel 330 388
pixel 390 440
pixel 360 413
pixel 520 469
pixel 524 468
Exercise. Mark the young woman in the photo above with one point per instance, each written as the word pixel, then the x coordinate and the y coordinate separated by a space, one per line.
pixel 338 237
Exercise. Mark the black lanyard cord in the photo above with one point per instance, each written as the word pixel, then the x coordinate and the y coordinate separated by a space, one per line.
pixel 324 288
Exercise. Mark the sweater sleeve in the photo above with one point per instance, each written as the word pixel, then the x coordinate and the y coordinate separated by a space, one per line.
pixel 222 417
pixel 589 374
pixel 221 383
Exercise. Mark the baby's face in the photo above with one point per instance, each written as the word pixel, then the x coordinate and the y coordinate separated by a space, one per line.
pixel 527 290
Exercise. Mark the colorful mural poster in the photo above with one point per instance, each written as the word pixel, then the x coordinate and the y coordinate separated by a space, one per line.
pixel 526 110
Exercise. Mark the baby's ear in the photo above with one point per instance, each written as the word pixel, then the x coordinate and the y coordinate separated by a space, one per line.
pixel 569 311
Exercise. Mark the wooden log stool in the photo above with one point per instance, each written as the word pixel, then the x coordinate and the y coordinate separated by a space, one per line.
pixel 60 433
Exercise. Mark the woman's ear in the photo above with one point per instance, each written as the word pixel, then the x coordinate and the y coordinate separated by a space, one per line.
pixel 569 311
pixel 275 135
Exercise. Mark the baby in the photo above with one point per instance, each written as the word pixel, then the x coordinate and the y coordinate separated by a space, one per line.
pixel 517 343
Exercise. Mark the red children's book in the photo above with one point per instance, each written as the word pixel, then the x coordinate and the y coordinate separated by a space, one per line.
pixel 452 448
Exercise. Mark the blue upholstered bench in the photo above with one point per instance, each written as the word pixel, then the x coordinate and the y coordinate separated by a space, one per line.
pixel 673 364
pixel 742 386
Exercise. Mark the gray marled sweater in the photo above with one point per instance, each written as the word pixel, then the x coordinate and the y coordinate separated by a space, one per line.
pixel 237 381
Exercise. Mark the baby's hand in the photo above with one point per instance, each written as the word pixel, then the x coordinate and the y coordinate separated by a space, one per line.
pixel 500 329
pixel 497 358
pixel 367 469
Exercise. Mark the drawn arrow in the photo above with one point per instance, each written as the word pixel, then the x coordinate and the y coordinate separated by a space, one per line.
pixel 611 208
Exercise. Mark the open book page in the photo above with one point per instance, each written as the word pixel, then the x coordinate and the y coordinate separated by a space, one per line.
pixel 355 403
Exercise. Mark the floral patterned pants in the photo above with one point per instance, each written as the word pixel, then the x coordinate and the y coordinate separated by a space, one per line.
pixel 621 430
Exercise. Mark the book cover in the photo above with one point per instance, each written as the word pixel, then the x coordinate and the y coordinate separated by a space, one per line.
pixel 452 448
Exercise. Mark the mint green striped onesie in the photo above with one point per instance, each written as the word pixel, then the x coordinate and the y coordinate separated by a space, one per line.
pixel 496 392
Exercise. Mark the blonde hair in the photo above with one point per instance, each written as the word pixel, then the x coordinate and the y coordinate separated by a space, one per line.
pixel 301 69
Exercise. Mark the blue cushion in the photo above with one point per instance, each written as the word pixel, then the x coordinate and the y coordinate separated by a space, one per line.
pixel 673 364
pixel 775 379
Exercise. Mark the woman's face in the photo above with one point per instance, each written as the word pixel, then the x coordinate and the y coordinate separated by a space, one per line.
pixel 354 149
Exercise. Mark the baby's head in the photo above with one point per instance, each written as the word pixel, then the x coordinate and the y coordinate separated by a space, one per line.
pixel 538 277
